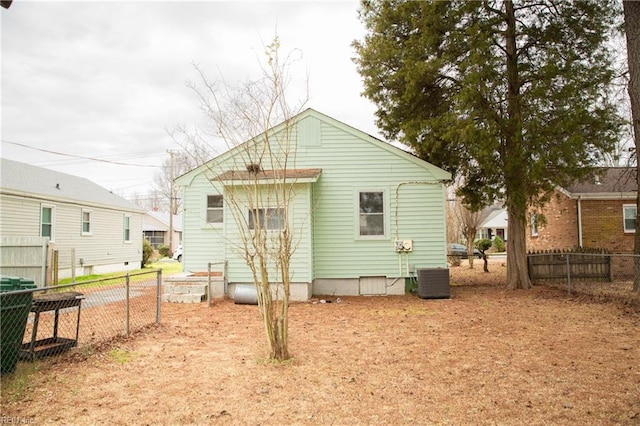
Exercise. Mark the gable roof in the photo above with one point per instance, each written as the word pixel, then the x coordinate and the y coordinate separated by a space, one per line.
pixel 497 218
pixel 437 172
pixel 609 182
pixel 23 179
pixel 159 221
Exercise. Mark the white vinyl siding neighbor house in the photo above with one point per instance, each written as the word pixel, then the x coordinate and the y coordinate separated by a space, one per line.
pixel 355 197
pixel 80 218
pixel 156 226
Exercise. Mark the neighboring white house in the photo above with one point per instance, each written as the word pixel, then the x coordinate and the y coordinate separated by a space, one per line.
pixel 155 227
pixel 84 221
pixel 495 225
pixel 356 197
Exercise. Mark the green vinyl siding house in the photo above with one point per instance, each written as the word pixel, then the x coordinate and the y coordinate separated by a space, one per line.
pixel 366 215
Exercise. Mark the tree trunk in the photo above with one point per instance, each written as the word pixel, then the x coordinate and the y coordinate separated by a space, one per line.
pixel 470 255
pixel 517 273
pixel 632 28
pixel 513 164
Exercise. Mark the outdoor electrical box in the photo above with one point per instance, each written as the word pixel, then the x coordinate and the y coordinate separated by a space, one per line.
pixel 404 246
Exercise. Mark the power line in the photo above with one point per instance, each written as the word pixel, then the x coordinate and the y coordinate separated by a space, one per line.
pixel 77 156
pixel 113 157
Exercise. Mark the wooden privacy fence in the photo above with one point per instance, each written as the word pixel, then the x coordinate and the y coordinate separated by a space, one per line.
pixel 569 264
pixel 25 257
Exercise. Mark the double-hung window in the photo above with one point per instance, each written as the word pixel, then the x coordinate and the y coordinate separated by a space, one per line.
pixel 371 214
pixel 86 222
pixel 269 219
pixel 215 209
pixel 534 225
pixel 46 221
pixel 629 217
pixel 127 229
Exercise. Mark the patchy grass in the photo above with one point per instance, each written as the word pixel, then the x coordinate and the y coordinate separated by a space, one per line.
pixel 121 356
pixel 168 268
pixel 19 386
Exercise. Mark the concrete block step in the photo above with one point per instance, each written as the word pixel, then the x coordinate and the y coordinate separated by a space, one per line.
pixel 185 289
pixel 182 298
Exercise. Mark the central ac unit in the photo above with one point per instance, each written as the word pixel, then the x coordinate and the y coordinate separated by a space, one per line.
pixel 433 283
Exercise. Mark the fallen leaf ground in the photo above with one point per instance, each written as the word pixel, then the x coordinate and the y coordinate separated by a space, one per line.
pixel 485 356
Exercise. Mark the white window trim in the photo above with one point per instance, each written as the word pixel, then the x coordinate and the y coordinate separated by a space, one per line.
pixel 82 232
pixel 124 220
pixel 53 220
pixel 206 211
pixel 534 224
pixel 385 214
pixel 263 208
pixel 624 218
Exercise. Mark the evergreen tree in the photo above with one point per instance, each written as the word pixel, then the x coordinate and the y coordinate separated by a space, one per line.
pixel 511 96
pixel 632 29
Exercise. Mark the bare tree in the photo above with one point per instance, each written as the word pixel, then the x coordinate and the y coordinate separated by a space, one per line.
pixel 257 124
pixel 463 222
pixel 181 161
pixel 151 200
pixel 470 223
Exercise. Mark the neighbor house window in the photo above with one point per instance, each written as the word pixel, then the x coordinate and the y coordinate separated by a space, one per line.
pixel 371 216
pixel 156 238
pixel 127 228
pixel 270 219
pixel 629 216
pixel 46 221
pixel 534 225
pixel 215 204
pixel 86 222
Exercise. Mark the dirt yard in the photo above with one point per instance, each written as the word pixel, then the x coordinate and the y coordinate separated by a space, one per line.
pixel 485 356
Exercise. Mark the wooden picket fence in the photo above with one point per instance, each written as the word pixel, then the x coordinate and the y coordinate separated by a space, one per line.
pixel 569 264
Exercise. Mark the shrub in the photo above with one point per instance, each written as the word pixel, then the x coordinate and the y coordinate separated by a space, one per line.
pixel 498 244
pixel 483 244
pixel 454 260
pixel 147 251
pixel 164 251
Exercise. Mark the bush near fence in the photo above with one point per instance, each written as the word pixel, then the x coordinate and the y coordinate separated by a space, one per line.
pixel 109 308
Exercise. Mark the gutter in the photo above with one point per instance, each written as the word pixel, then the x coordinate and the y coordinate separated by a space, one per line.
pixel 604 195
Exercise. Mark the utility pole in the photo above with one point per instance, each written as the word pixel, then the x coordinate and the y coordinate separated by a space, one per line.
pixel 171 197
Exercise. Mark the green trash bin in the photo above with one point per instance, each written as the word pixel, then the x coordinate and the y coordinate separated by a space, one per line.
pixel 14 312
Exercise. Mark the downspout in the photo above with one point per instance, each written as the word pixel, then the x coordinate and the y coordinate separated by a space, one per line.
pixel 396 219
pixel 398 198
pixel 579 221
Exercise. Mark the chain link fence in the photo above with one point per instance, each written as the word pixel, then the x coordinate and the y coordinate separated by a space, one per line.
pixel 39 322
pixel 604 275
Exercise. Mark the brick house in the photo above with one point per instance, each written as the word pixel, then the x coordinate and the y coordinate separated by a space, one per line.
pixel 600 212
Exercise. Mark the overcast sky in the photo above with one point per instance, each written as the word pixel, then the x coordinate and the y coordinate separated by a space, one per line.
pixel 107 79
